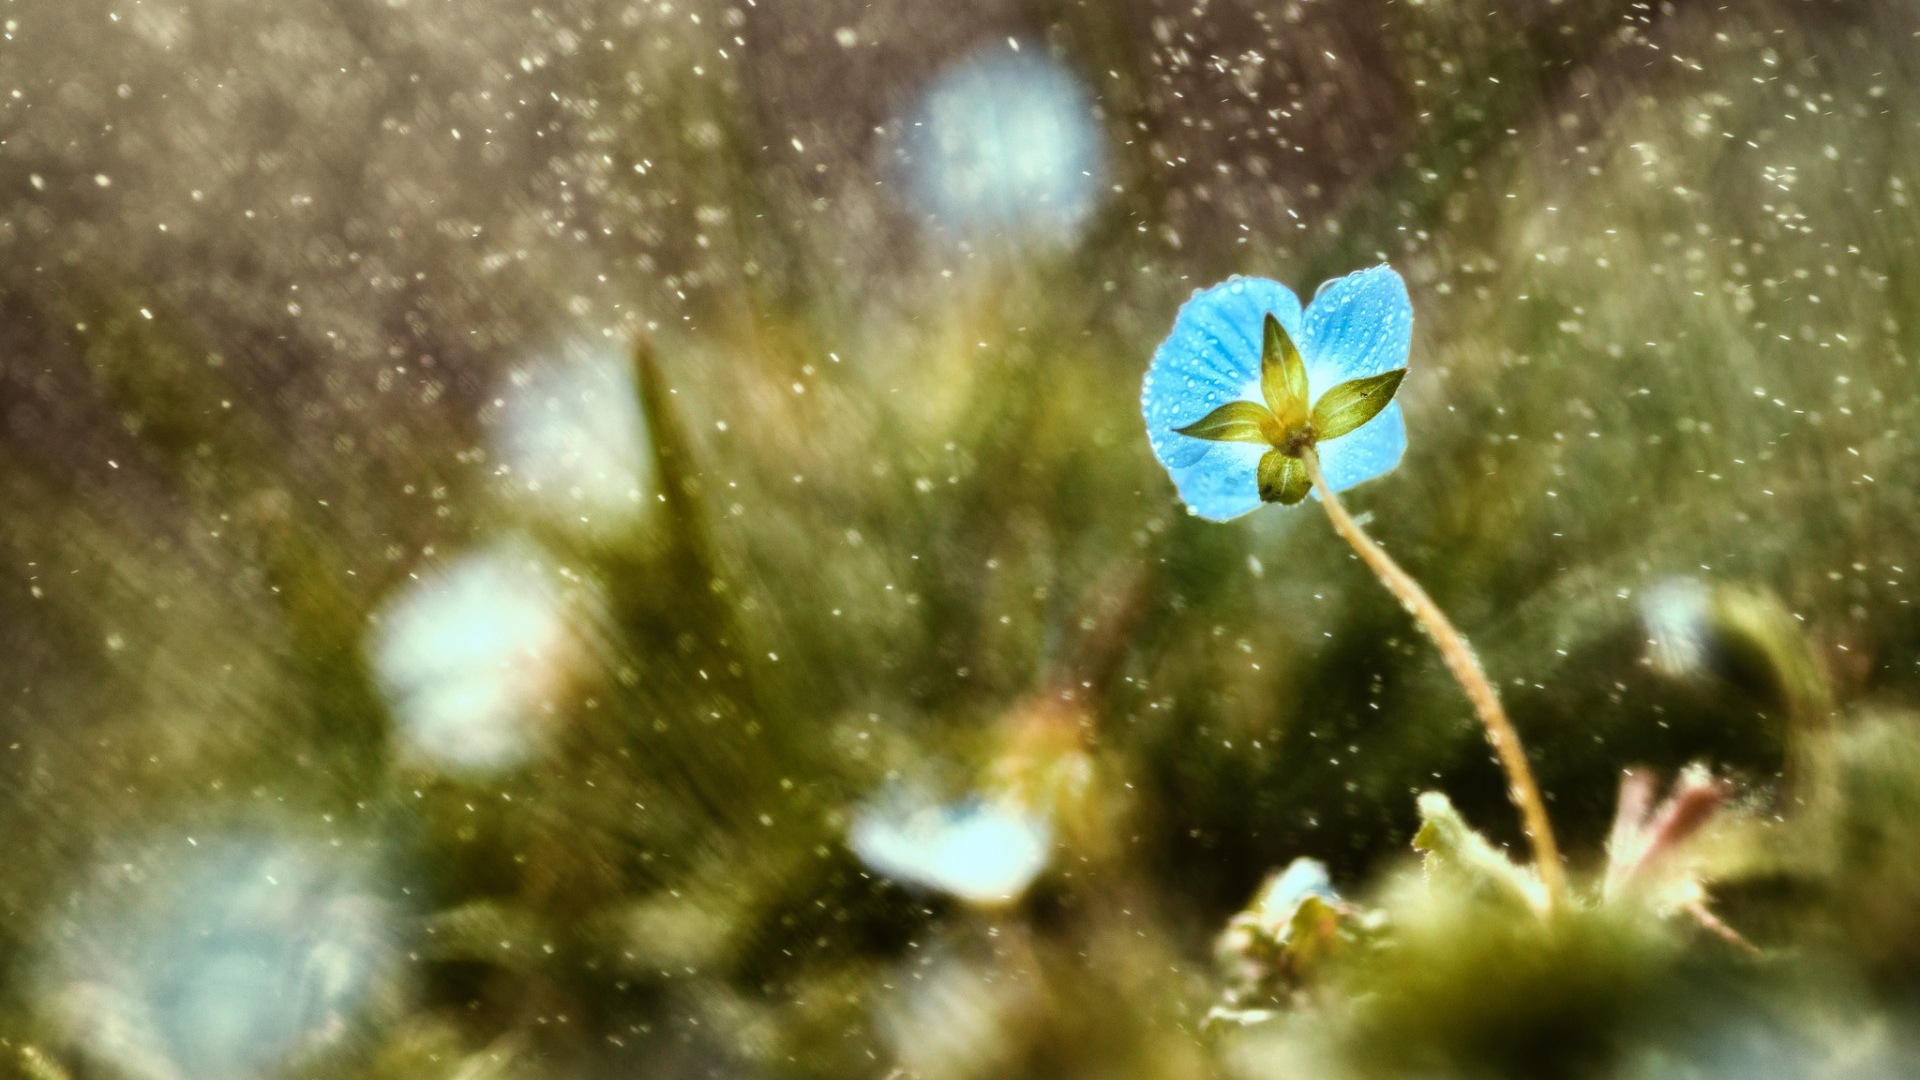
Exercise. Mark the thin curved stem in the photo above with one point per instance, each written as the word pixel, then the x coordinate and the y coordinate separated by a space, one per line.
pixel 1466 669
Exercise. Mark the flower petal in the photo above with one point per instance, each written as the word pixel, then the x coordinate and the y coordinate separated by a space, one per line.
pixel 1211 358
pixel 979 851
pixel 1371 450
pixel 1223 482
pixel 1357 326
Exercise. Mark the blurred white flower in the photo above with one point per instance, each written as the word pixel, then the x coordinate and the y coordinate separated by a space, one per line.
pixel 1676 614
pixel 471 657
pixel 226 957
pixel 1007 141
pixel 574 440
pixel 953 1017
pixel 981 851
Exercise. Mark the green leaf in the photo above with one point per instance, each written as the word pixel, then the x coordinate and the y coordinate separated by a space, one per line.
pixel 1351 404
pixel 1283 479
pixel 1313 936
pixel 1236 421
pixel 1461 864
pixel 1283 375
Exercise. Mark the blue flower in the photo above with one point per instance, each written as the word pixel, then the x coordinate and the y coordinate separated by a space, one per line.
pixel 1008 143
pixel 983 851
pixel 1233 405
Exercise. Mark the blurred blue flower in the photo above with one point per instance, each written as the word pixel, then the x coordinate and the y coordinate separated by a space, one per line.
pixel 1359 327
pixel 1284 892
pixel 983 851
pixel 1678 615
pixel 1006 140
pixel 223 957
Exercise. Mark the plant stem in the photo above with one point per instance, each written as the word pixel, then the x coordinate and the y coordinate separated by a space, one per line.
pixel 1466 669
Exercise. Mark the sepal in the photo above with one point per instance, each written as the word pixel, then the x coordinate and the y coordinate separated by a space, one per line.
pixel 1236 421
pixel 1283 479
pixel 1351 404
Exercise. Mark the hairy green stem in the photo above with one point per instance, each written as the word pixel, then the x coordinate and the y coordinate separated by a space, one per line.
pixel 1466 669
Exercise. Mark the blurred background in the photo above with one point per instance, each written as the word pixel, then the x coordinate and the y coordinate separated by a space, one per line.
pixel 613 539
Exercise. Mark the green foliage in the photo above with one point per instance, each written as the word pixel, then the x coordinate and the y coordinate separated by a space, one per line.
pixel 901 504
pixel 1463 866
pixel 1467 967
